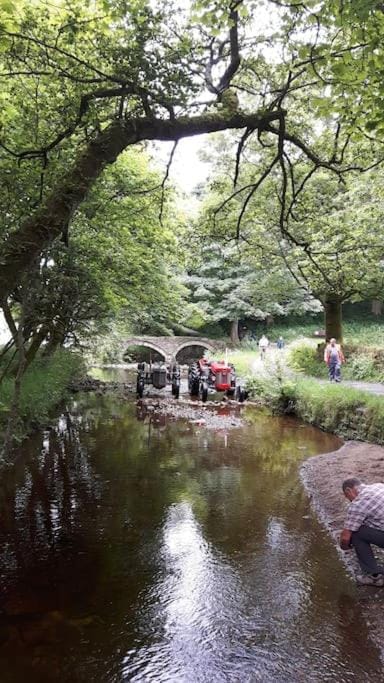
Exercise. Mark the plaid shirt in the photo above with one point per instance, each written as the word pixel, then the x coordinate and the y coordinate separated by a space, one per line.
pixel 367 508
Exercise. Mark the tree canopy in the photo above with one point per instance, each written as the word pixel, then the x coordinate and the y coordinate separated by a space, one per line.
pixel 84 82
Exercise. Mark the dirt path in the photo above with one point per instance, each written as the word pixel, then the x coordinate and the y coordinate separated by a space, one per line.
pixel 322 477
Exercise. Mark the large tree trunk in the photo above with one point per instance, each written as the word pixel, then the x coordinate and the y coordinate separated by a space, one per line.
pixel 24 246
pixel 234 334
pixel 333 317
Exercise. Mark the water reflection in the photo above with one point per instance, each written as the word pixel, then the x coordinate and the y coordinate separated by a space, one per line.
pixel 143 550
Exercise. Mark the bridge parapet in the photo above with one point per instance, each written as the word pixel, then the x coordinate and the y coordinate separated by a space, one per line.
pixel 169 347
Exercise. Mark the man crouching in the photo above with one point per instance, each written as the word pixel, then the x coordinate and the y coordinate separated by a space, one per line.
pixel 364 525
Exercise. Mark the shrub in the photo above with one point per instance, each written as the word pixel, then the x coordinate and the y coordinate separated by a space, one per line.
pixel 361 367
pixel 304 358
pixel 44 386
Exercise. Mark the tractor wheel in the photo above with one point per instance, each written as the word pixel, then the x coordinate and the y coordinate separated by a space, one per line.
pixel 204 393
pixel 194 387
pixel 140 388
pixel 194 380
pixel 241 394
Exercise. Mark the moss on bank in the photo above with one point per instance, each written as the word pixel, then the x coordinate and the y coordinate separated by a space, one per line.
pixel 44 385
pixel 348 412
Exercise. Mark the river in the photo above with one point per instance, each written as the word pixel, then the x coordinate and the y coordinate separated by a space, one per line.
pixel 139 548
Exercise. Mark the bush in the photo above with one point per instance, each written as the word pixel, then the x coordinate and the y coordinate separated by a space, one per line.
pixel 304 358
pixel 44 386
pixel 361 367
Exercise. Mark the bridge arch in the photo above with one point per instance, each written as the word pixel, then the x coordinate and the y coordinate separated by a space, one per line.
pixel 198 343
pixel 144 343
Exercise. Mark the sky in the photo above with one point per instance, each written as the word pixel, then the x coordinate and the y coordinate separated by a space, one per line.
pixel 187 169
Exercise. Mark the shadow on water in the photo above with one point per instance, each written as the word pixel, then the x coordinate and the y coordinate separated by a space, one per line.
pixel 139 549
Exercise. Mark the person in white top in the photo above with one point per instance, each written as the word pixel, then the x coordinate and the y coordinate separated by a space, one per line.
pixel 263 345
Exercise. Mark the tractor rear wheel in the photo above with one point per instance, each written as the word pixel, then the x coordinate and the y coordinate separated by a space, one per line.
pixel 204 392
pixel 194 379
pixel 241 394
pixel 140 388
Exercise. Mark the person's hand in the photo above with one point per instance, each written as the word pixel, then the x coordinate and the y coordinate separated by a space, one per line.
pixel 345 539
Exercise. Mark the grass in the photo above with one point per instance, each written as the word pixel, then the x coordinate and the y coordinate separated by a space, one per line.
pixel 243 360
pixel 44 386
pixel 350 413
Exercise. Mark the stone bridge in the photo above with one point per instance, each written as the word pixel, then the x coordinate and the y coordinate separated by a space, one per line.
pixel 169 347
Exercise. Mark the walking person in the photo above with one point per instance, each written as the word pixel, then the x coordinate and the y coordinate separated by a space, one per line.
pixel 333 356
pixel 363 527
pixel 280 343
pixel 263 345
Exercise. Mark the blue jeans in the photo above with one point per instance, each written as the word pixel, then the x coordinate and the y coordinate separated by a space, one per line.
pixel 361 541
pixel 335 371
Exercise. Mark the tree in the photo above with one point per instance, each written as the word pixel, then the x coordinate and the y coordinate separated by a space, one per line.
pixel 230 285
pixel 127 271
pixel 324 231
pixel 86 97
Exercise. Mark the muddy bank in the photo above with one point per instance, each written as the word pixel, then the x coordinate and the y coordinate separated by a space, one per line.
pixel 322 476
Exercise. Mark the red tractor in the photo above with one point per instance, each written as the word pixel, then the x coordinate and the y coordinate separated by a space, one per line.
pixel 212 374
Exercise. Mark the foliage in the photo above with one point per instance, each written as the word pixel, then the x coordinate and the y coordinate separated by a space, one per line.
pixel 227 284
pixel 358 330
pixel 82 82
pixel 44 386
pixel 120 261
pixel 304 358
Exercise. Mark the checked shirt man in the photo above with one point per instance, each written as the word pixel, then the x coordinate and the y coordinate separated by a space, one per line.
pixel 364 526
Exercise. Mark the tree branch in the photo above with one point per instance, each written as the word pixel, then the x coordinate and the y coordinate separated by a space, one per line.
pixel 24 245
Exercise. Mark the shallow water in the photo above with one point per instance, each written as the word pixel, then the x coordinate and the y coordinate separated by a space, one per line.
pixel 144 550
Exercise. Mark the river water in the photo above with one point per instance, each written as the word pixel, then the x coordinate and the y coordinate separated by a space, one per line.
pixel 137 548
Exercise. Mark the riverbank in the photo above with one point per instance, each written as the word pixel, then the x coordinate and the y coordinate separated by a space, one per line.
pixel 322 476
pixel 345 411
pixel 45 384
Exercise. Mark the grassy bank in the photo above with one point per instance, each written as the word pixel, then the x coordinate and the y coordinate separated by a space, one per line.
pixel 44 385
pixel 342 410
pixel 362 363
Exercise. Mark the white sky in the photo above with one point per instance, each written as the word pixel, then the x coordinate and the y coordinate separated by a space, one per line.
pixel 4 332
pixel 187 169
